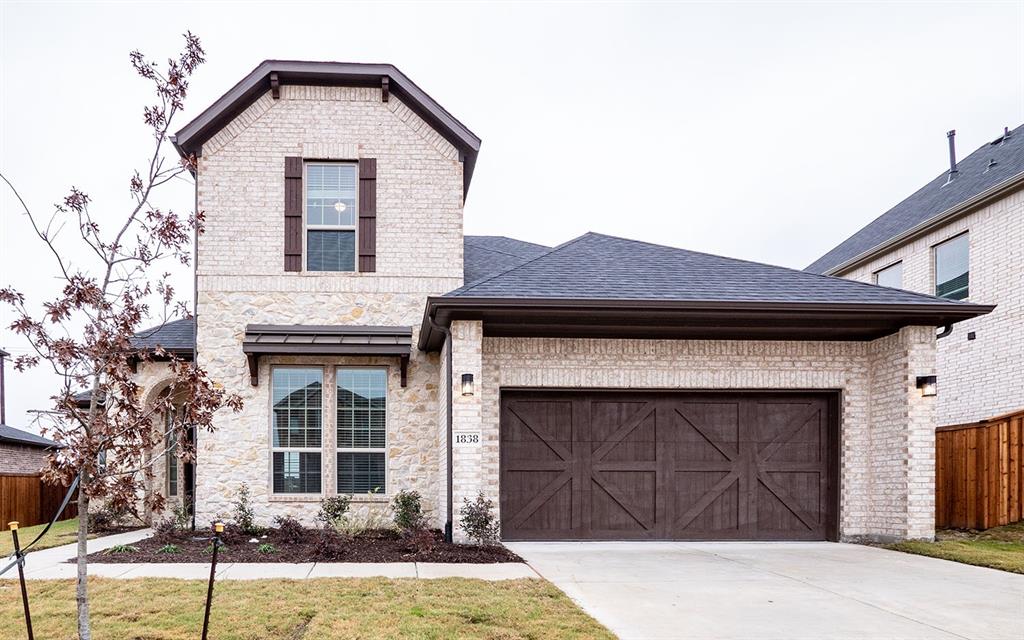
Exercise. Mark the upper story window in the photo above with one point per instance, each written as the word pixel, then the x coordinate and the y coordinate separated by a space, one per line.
pixel 891 276
pixel 952 268
pixel 331 216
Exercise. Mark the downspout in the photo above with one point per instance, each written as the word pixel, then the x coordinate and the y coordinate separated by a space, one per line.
pixel 450 503
pixel 195 332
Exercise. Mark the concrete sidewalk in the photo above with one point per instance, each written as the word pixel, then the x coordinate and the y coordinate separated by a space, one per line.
pixel 51 564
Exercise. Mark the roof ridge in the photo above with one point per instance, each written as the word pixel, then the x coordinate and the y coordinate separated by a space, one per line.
pixel 767 264
pixel 466 287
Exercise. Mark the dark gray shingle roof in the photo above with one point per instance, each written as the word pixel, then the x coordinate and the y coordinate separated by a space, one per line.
pixel 488 255
pixel 176 335
pixel 24 438
pixel 600 267
pixel 974 176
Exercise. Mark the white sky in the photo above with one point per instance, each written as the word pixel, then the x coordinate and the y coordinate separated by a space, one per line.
pixel 764 131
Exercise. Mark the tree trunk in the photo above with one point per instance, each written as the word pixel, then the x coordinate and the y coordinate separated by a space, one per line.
pixel 81 587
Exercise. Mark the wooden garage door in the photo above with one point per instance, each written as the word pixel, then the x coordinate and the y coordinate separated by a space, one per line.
pixel 668 466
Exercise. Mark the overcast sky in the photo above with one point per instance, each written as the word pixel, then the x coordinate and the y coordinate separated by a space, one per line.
pixel 764 131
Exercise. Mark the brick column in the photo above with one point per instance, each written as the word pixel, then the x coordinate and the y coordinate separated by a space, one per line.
pixel 901 463
pixel 467 459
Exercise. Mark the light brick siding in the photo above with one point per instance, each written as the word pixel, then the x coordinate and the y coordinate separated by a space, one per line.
pixel 241 280
pixel 978 378
pixel 887 466
pixel 18 460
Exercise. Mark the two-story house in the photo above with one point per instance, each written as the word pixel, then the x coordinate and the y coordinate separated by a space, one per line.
pixel 602 389
pixel 959 237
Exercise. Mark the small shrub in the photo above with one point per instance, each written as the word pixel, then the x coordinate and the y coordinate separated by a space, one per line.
pixel 421 540
pixel 408 510
pixel 330 544
pixel 244 516
pixel 209 548
pixel 477 520
pixel 169 548
pixel 372 522
pixel 333 510
pixel 122 548
pixel 164 529
pixel 266 547
pixel 290 529
pixel 108 517
pixel 181 514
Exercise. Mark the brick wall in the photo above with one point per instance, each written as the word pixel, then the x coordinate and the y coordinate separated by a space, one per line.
pixel 241 280
pixel 978 378
pixel 19 460
pixel 887 465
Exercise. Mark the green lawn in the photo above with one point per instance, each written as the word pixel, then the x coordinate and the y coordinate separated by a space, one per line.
pixel 294 609
pixel 997 548
pixel 63 532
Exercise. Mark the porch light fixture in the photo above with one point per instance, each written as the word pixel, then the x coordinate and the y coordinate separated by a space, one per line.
pixel 927 385
pixel 467 384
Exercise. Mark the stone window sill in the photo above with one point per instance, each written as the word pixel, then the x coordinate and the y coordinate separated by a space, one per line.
pixel 295 497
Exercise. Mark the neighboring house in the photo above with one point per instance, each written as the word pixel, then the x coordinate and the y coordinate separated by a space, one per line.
pixel 960 237
pixel 21 452
pixel 602 389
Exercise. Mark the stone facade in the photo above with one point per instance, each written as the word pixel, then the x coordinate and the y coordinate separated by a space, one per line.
pixel 21 460
pixel 887 433
pixel 241 280
pixel 978 378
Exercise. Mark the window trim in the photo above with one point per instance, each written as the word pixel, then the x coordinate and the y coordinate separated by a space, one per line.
pixel 935 265
pixel 387 428
pixel 899 263
pixel 270 434
pixel 306 227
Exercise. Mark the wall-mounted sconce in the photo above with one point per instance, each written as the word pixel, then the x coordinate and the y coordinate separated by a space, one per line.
pixel 467 384
pixel 927 385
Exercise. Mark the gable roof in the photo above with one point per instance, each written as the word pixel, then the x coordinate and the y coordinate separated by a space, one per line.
pixel 190 138
pixel 11 435
pixel 597 266
pixel 598 274
pixel 976 183
pixel 177 336
pixel 485 256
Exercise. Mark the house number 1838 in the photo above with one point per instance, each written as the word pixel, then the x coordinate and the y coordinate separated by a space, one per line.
pixel 466 438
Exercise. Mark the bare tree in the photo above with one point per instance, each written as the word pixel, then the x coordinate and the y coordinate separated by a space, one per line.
pixel 86 332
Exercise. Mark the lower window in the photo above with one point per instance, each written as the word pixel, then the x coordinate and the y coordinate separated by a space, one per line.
pixel 361 472
pixel 362 430
pixel 297 429
pixel 296 472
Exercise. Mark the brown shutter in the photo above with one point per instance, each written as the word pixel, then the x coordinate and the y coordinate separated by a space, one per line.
pixel 293 214
pixel 367 214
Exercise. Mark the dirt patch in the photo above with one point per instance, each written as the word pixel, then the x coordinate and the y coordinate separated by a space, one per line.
pixel 305 545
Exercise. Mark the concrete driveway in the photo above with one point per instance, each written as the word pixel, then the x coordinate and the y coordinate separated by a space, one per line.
pixel 786 591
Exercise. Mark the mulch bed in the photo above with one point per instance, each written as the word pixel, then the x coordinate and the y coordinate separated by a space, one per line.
pixel 308 545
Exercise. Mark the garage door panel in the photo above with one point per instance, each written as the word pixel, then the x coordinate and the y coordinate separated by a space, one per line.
pixel 705 430
pixel 667 465
pixel 707 505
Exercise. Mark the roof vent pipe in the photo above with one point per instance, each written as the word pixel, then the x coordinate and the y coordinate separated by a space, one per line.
pixel 1006 132
pixel 952 153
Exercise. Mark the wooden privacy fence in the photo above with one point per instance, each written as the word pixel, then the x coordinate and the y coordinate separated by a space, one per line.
pixel 31 501
pixel 979 473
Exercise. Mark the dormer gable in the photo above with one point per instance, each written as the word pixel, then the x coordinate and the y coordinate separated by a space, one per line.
pixel 271 75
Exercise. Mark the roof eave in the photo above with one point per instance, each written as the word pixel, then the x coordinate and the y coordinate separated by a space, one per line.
pixel 967 206
pixel 756 320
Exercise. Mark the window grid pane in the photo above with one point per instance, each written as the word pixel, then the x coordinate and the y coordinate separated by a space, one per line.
pixel 297 423
pixel 360 472
pixel 331 250
pixel 362 408
pixel 171 443
pixel 296 472
pixel 891 276
pixel 952 273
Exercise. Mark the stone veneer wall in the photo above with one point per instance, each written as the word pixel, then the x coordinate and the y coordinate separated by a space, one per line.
pixel 241 279
pixel 887 428
pixel 977 378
